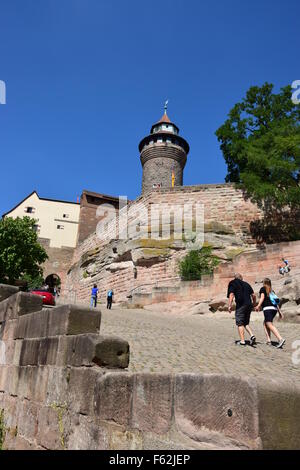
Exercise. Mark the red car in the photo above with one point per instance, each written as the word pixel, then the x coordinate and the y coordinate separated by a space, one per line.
pixel 48 298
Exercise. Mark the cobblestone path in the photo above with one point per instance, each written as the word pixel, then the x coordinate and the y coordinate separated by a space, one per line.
pixel 200 344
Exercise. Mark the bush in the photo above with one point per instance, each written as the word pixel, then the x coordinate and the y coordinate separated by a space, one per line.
pixel 196 263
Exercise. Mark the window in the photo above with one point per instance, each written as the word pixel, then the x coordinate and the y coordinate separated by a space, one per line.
pixel 60 227
pixel 37 228
pixel 65 216
pixel 29 210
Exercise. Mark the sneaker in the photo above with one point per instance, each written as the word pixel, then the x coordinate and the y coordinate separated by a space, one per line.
pixel 241 344
pixel 269 343
pixel 252 340
pixel 280 344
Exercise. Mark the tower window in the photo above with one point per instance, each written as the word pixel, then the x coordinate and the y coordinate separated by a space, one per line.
pixel 37 228
pixel 65 216
pixel 60 227
pixel 29 210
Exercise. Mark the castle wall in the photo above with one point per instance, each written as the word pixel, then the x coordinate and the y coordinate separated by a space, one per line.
pixel 227 216
pixel 253 265
pixel 58 262
pixel 88 218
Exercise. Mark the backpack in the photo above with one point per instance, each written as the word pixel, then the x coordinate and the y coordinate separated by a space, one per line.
pixel 274 299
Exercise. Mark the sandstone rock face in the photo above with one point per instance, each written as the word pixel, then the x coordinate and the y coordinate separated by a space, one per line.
pixel 149 251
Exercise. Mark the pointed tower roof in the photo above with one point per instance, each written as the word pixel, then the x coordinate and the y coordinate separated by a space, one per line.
pixel 165 118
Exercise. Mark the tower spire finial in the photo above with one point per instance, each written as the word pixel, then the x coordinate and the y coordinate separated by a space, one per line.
pixel 166 106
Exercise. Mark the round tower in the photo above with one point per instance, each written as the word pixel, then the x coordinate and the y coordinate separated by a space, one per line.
pixel 163 155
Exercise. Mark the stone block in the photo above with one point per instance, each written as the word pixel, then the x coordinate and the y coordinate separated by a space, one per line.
pixel 34 325
pixel 38 384
pixel 50 427
pixel 6 291
pixel 86 349
pixel 123 439
pixel 113 397
pixel 8 329
pixel 9 352
pixel 152 403
pixel 13 380
pixel 39 351
pixel 81 388
pixel 19 304
pixel 219 403
pixel 279 415
pixel 58 385
pixel 73 320
pixel 27 419
pixel 62 320
pixel 3 377
pixel 111 351
pixel 86 435
pixel 76 350
pixel 25 375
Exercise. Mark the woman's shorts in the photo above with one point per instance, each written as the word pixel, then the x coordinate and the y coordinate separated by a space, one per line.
pixel 270 314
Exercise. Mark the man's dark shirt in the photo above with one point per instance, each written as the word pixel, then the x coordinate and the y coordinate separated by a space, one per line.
pixel 242 292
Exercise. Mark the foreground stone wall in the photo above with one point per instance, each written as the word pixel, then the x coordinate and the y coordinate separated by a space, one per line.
pixel 62 387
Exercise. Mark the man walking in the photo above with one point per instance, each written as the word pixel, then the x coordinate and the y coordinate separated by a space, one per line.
pixel 244 297
pixel 110 294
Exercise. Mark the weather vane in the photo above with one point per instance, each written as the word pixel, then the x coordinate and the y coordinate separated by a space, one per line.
pixel 166 106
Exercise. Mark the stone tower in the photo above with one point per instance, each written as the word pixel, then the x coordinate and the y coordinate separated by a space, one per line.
pixel 163 155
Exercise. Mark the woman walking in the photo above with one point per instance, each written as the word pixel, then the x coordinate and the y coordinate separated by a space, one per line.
pixel 270 310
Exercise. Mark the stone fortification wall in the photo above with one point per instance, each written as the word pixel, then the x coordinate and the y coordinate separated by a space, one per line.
pixel 254 265
pixel 127 264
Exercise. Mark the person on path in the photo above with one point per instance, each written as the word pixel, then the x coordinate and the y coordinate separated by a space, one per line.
pixel 270 310
pixel 245 298
pixel 110 294
pixel 94 296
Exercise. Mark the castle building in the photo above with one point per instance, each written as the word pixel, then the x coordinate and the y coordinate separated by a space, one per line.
pixel 163 155
pixel 57 221
pixel 61 226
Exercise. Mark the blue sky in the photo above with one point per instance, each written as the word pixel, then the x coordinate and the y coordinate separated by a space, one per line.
pixel 86 79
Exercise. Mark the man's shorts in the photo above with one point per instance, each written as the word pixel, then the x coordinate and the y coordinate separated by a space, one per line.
pixel 242 315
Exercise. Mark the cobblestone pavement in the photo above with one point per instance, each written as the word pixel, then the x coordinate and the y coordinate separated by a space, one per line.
pixel 200 344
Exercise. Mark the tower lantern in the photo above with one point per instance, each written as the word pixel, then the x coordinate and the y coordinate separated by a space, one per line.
pixel 163 155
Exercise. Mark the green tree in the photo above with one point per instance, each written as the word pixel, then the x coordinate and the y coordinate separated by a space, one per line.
pixel 21 255
pixel 260 142
pixel 196 263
